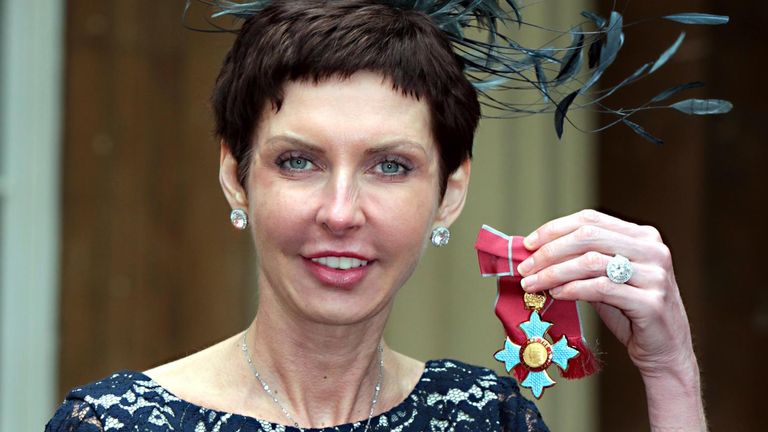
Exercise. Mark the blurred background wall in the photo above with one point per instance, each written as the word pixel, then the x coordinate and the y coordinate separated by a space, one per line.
pixel 116 251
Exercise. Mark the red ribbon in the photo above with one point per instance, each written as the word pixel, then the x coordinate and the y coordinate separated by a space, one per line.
pixel 499 255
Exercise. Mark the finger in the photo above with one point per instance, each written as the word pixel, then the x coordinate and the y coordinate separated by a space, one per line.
pixel 602 290
pixel 589 266
pixel 593 238
pixel 567 224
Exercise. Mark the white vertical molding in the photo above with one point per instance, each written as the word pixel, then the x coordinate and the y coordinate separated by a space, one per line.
pixel 30 111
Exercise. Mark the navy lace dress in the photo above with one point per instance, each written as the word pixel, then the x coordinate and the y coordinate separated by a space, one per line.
pixel 450 396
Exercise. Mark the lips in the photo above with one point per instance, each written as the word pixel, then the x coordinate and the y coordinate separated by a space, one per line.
pixel 338 270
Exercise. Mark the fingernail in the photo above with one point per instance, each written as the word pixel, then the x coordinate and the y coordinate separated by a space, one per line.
pixel 554 292
pixel 525 266
pixel 530 241
pixel 528 282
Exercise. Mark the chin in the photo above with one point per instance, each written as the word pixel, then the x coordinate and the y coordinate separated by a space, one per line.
pixel 334 306
pixel 309 301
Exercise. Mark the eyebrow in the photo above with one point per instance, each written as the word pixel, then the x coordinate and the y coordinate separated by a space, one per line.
pixel 386 147
pixel 304 145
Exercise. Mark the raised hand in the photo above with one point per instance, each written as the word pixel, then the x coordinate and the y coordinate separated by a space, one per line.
pixel 645 313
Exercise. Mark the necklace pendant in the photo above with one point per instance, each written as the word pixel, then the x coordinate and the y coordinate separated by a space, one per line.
pixel 537 353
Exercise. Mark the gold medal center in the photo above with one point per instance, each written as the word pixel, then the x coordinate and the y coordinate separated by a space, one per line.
pixel 535 354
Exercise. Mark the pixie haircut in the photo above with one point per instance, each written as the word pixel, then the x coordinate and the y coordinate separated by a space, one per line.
pixel 313 40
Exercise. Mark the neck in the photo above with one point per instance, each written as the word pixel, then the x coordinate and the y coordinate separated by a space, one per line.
pixel 322 374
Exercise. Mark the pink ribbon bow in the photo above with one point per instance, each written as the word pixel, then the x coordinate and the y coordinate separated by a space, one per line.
pixel 499 255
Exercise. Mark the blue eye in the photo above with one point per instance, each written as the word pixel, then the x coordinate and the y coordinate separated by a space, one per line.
pixel 296 163
pixel 392 168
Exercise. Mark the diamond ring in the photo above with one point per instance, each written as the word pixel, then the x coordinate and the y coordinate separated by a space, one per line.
pixel 619 269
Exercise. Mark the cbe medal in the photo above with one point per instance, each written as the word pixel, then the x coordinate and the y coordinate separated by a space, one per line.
pixel 540 331
pixel 537 353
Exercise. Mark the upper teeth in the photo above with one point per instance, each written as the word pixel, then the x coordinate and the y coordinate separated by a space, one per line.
pixel 340 262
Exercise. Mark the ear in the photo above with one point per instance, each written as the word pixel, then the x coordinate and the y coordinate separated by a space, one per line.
pixel 230 185
pixel 455 195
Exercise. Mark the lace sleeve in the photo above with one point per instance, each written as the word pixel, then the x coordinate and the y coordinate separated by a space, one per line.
pixel 518 414
pixel 75 415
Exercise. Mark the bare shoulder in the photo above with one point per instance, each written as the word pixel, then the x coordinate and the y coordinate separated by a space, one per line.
pixel 407 370
pixel 192 378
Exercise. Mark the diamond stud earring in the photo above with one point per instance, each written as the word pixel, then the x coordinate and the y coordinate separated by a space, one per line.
pixel 239 218
pixel 440 236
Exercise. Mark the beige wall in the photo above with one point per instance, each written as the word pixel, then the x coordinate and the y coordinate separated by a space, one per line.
pixel 522 176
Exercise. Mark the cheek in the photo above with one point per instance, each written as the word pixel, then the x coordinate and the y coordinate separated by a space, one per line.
pixel 402 217
pixel 400 225
pixel 281 213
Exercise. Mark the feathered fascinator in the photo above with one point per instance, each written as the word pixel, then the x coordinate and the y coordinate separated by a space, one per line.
pixel 563 77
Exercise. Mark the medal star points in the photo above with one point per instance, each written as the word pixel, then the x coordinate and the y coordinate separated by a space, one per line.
pixel 536 354
pixel 535 327
pixel 537 381
pixel 562 353
pixel 510 355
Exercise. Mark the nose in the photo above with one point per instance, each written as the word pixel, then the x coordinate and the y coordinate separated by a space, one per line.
pixel 340 211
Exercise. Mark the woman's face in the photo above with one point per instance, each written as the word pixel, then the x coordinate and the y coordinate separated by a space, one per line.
pixel 342 195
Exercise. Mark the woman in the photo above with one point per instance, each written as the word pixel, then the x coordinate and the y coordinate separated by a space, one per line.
pixel 343 151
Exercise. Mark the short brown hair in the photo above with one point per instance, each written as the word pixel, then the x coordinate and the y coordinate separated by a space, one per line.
pixel 313 40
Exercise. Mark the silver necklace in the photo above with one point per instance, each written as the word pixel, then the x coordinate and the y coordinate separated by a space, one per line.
pixel 265 386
